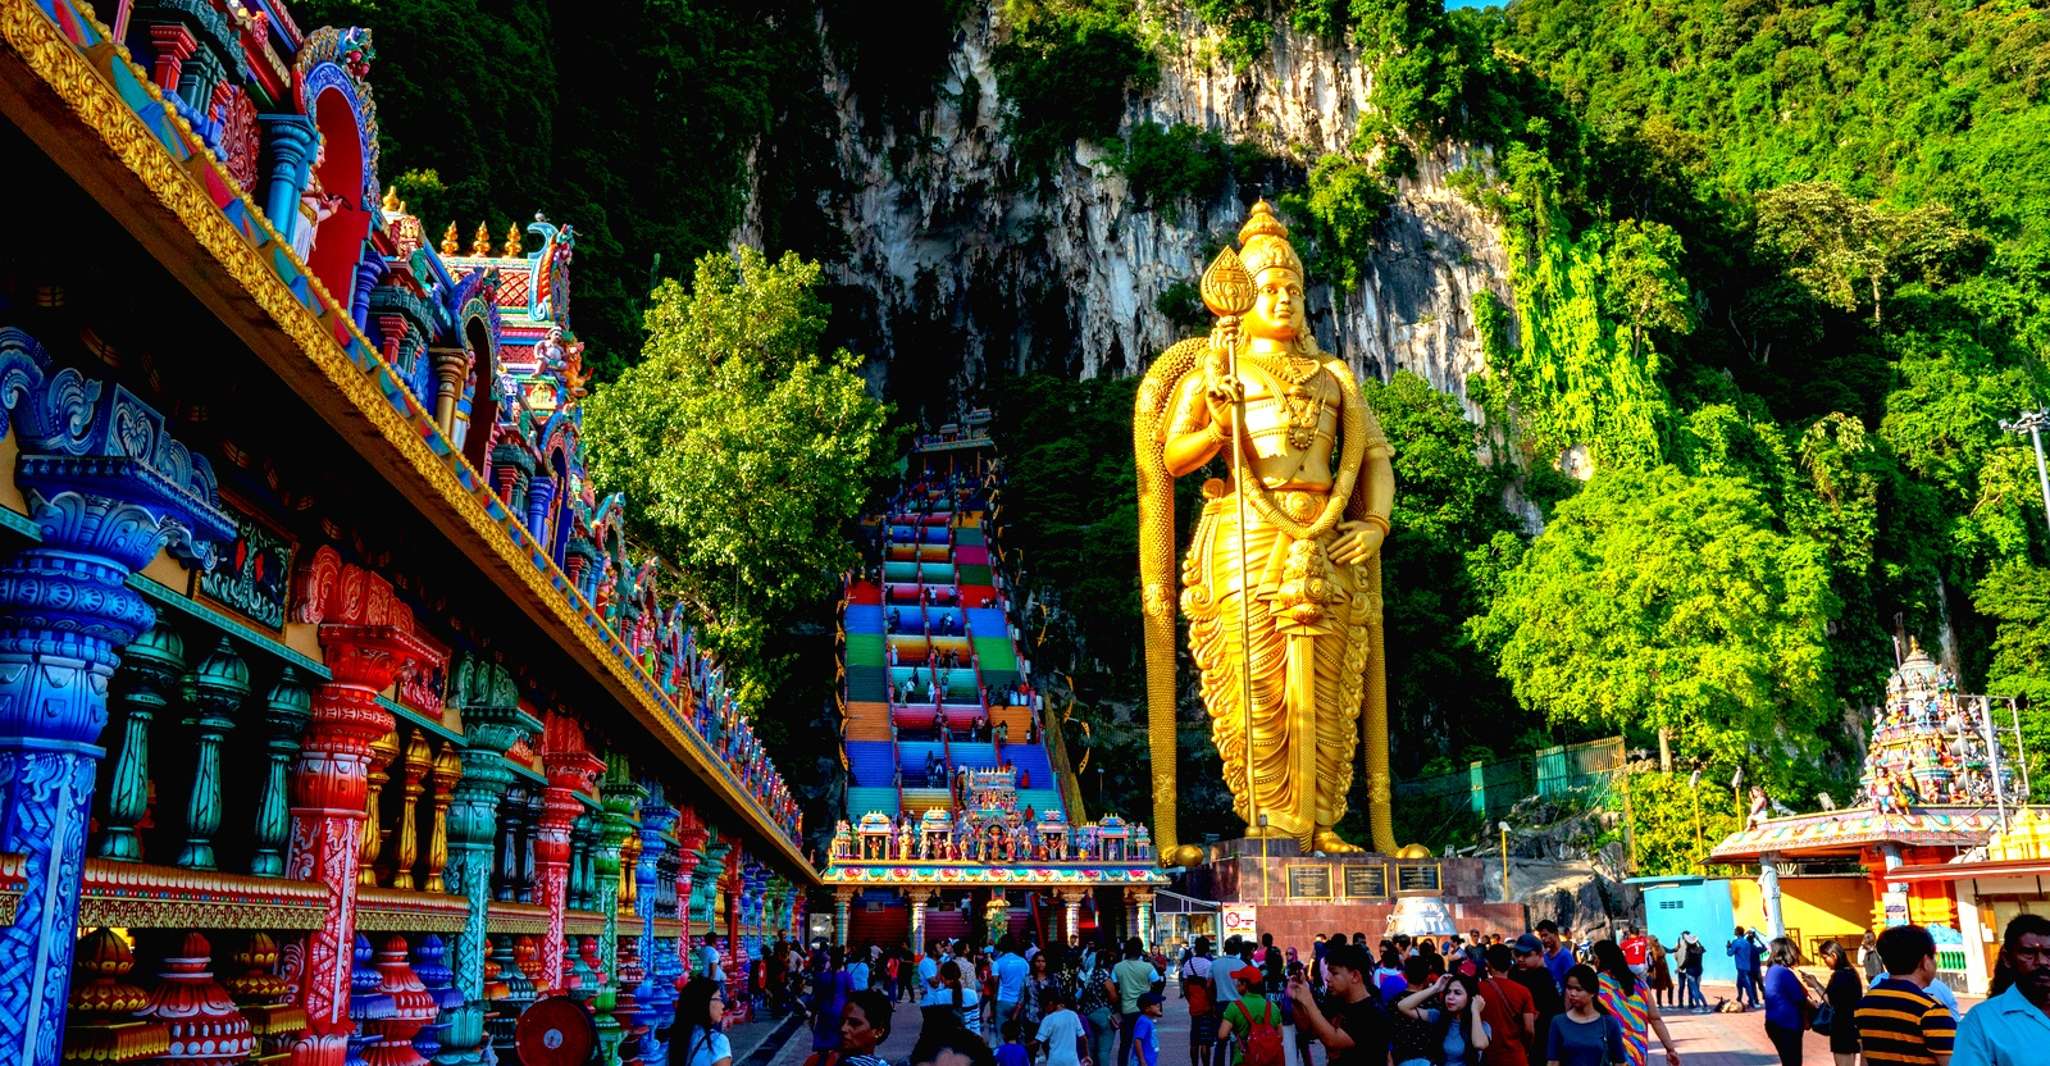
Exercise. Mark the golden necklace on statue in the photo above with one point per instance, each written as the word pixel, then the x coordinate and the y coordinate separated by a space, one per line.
pixel 1298 400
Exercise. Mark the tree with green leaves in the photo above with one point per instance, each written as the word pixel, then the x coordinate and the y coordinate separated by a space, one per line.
pixel 744 450
pixel 1657 600
pixel 1844 249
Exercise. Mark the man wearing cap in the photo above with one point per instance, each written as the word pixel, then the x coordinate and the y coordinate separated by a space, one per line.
pixel 1531 972
pixel 1250 1009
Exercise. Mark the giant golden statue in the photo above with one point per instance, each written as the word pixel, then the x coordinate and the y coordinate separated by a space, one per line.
pixel 1282 582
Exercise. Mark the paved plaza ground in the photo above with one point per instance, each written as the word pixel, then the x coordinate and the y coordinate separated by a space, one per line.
pixel 1703 1039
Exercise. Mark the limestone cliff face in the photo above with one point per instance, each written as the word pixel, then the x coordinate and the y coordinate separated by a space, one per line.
pixel 964 276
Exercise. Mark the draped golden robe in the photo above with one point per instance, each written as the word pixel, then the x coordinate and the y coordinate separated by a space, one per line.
pixel 1312 661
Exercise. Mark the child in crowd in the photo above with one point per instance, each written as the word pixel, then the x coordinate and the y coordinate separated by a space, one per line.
pixel 1145 1031
pixel 1060 1030
pixel 1013 1053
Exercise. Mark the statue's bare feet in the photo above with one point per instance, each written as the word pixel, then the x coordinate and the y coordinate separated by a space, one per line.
pixel 1185 855
pixel 1326 840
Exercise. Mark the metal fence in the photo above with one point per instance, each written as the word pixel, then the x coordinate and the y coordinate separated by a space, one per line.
pixel 1491 788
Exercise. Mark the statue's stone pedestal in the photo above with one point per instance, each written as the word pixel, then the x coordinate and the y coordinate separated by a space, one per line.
pixel 1278 889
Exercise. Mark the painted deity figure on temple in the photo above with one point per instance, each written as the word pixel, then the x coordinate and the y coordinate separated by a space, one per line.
pixel 316 204
pixel 1282 582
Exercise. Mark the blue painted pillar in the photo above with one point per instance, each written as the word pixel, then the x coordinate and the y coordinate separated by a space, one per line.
pixel 108 488
pixel 655 997
pixel 540 493
pixel 288 141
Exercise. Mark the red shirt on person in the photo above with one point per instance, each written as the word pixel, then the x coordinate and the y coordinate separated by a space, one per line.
pixel 1637 950
pixel 1504 1004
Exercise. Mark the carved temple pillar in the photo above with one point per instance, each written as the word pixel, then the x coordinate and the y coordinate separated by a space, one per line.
pixel 1139 912
pixel 441 785
pixel 286 710
pixel 843 906
pixel 414 767
pixel 571 771
pixel 919 896
pixel 511 822
pixel 108 488
pixel 288 140
pixel 1071 911
pixel 149 672
pixel 692 839
pixel 213 690
pixel 173 44
pixel 540 493
pixel 451 368
pixel 622 796
pixel 655 998
pixel 370 842
pixel 736 944
pixel 366 638
pixel 492 723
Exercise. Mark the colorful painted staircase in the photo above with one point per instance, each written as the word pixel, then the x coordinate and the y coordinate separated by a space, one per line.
pixel 931 603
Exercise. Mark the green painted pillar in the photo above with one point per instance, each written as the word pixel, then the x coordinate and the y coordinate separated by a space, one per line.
pixel 213 691
pixel 622 797
pixel 492 723
pixel 286 710
pixel 149 670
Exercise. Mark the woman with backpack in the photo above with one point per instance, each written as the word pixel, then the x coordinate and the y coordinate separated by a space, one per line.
pixel 1460 1036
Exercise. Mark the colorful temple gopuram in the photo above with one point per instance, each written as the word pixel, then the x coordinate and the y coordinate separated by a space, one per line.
pixel 962 818
pixel 339 721
pixel 1935 789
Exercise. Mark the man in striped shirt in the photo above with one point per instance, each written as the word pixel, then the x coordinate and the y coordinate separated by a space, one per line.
pixel 1898 1020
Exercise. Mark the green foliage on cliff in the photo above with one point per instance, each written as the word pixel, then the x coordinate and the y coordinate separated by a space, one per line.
pixel 1169 165
pixel 1336 216
pixel 1436 571
pixel 744 448
pixel 1851 299
pixel 1065 68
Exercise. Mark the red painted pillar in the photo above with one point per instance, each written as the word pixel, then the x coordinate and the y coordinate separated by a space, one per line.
pixel 366 637
pixel 690 839
pixel 736 949
pixel 174 45
pixel 571 769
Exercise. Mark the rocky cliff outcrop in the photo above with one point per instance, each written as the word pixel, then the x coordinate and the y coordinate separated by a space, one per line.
pixel 966 270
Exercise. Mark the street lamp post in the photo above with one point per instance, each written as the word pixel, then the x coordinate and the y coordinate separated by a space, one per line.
pixel 1694 789
pixel 1504 828
pixel 2034 423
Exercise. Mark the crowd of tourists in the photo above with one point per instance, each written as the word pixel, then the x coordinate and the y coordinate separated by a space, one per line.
pixel 1883 1000
pixel 1539 999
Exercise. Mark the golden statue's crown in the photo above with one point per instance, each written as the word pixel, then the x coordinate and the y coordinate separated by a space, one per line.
pixel 1263 242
